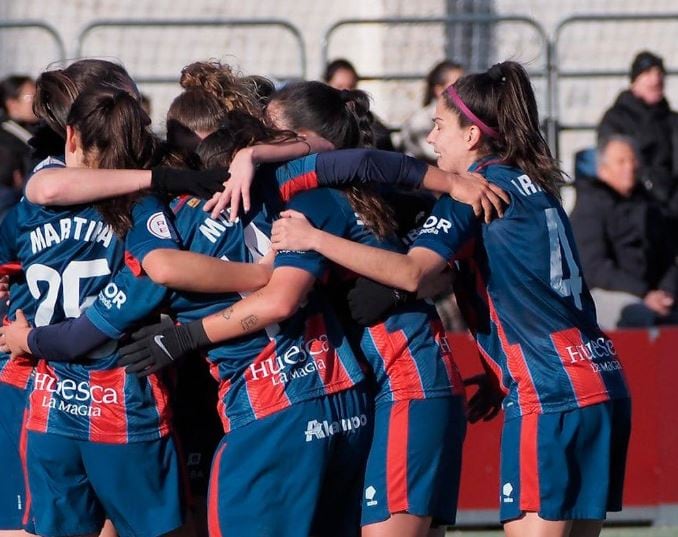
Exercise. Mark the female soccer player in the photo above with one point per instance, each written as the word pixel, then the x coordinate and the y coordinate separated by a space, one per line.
pixel 567 411
pixel 89 427
pixel 413 470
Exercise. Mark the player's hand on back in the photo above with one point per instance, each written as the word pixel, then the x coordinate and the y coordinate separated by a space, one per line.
pixel 292 231
pixel 485 404
pixel 488 200
pixel 14 336
pixel 237 188
pixel 160 345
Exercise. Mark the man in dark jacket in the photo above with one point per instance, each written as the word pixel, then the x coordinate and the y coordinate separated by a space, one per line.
pixel 643 113
pixel 625 242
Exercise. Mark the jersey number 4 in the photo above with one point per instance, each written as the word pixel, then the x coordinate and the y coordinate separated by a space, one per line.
pixel 68 283
pixel 558 242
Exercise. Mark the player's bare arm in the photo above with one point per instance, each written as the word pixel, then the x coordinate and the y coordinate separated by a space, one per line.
pixel 294 232
pixel 198 273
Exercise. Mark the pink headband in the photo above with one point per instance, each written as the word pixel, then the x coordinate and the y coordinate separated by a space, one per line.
pixel 466 111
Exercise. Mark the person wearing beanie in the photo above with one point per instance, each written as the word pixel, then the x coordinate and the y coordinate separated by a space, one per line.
pixel 643 113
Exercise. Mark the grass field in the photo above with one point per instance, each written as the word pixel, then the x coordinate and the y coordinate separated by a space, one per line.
pixel 610 532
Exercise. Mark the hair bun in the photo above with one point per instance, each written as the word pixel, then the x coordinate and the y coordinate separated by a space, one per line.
pixel 496 74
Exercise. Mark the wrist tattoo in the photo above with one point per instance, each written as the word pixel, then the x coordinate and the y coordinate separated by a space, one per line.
pixel 226 314
pixel 249 322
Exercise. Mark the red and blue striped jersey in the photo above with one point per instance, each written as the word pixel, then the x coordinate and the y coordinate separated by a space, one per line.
pixel 68 256
pixel 305 357
pixel 522 291
pixel 18 371
pixel 407 353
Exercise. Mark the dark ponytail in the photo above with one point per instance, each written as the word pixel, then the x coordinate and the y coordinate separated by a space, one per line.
pixel 56 90
pixel 342 117
pixel 114 133
pixel 502 98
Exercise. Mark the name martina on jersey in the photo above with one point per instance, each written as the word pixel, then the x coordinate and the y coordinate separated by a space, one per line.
pixel 75 228
pixel 73 397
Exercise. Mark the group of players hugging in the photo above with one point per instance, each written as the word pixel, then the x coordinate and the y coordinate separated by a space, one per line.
pixel 302 284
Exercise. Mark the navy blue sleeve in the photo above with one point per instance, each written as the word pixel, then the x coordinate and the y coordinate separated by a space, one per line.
pixel 447 231
pixel 369 166
pixel 347 166
pixel 65 341
pixel 318 207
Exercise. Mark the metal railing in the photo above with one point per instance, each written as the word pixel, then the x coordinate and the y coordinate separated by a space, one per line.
pixel 557 74
pixel 197 23
pixel 40 26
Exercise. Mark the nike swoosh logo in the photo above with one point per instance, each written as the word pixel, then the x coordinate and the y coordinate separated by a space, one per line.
pixel 159 343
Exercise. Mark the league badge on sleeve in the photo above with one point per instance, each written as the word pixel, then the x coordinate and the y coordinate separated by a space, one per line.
pixel 158 227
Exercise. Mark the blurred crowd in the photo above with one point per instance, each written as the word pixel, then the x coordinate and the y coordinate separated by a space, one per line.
pixel 626 206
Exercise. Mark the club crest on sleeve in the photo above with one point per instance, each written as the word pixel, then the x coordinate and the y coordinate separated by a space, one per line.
pixel 158 227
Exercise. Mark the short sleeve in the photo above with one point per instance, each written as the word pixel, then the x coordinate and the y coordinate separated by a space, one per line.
pixel 126 300
pixel 449 229
pixel 152 229
pixel 322 213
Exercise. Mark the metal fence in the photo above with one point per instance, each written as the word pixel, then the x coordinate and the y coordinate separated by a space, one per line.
pixel 550 48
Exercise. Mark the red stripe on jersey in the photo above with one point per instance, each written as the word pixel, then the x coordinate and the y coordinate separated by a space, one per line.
pixel 588 385
pixel 396 457
pixel 23 455
pixel 328 364
pixel 7 269
pixel 306 181
pixel 108 420
pixel 17 372
pixel 40 400
pixel 182 201
pixel 494 367
pixel 213 522
pixel 263 383
pixel 133 264
pixel 528 399
pixel 399 363
pixel 529 463
pixel 161 398
pixel 453 374
pixel 224 386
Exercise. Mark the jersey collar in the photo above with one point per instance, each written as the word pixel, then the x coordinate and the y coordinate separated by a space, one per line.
pixel 484 162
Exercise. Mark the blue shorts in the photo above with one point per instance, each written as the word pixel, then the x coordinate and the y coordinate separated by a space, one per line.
pixel 75 485
pixel 565 465
pixel 414 464
pixel 14 509
pixel 296 472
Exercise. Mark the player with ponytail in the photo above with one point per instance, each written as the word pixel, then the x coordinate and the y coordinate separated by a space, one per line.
pixel 520 287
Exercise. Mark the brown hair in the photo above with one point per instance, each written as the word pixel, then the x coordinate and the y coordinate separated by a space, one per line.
pixel 114 133
pixel 342 117
pixel 503 98
pixel 56 90
pixel 233 91
pixel 238 130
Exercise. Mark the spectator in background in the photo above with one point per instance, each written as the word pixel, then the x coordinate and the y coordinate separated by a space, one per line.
pixel 418 125
pixel 643 113
pixel 11 179
pixel 625 242
pixel 341 75
pixel 18 121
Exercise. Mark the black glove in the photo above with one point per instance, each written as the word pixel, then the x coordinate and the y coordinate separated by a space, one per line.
pixel 486 402
pixel 156 347
pixel 369 301
pixel 202 183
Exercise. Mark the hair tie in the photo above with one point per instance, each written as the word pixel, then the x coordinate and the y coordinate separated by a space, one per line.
pixel 468 114
pixel 495 73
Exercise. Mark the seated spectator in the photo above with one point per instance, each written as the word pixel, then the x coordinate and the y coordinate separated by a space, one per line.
pixel 18 121
pixel 643 113
pixel 625 243
pixel 341 75
pixel 418 125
